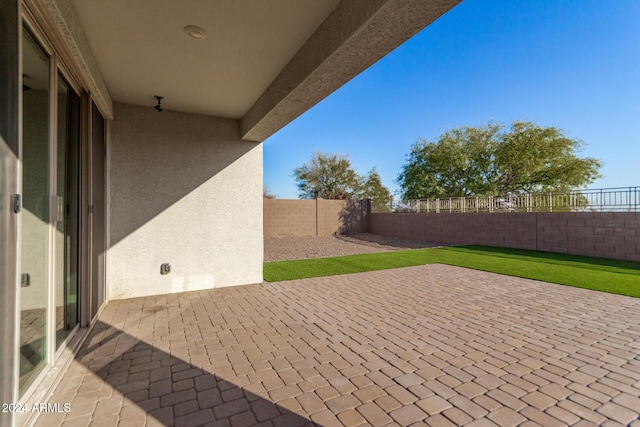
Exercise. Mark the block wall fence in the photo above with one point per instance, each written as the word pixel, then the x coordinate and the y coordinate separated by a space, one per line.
pixel 599 234
pixel 317 217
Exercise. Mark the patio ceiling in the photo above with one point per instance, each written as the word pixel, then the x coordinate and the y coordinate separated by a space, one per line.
pixel 142 50
pixel 261 62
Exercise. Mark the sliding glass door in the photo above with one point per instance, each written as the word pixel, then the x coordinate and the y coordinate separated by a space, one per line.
pixel 35 254
pixel 98 156
pixel 9 142
pixel 66 215
pixel 50 217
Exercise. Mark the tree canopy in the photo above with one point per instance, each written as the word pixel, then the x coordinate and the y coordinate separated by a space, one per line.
pixel 496 159
pixel 266 194
pixel 330 176
pixel 372 188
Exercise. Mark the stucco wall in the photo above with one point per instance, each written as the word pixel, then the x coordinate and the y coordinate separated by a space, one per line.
pixel 182 189
pixel 599 234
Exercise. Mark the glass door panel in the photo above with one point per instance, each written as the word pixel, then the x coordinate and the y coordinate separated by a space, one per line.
pixel 98 155
pixel 9 125
pixel 35 213
pixel 66 215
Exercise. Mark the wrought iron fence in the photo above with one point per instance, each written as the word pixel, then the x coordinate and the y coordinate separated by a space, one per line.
pixel 621 199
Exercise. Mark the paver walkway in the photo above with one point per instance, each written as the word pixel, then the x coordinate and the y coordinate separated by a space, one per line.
pixel 431 345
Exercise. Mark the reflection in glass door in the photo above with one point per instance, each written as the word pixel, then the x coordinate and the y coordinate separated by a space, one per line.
pixel 35 214
pixel 66 211
pixel 50 217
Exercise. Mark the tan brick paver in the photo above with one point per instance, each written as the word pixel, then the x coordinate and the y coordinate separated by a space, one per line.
pixel 431 345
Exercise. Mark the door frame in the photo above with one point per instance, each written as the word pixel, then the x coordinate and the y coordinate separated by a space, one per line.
pixel 10 118
pixel 30 17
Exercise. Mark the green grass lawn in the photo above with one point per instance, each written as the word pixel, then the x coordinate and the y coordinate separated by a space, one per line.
pixel 607 275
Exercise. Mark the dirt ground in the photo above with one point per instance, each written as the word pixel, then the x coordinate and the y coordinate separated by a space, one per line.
pixel 288 248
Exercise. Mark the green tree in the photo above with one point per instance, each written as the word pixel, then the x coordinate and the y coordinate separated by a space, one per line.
pixel 330 176
pixel 327 177
pixel 266 194
pixel 372 188
pixel 496 159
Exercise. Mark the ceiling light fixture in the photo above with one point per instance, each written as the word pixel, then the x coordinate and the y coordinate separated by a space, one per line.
pixel 195 32
pixel 25 87
pixel 158 107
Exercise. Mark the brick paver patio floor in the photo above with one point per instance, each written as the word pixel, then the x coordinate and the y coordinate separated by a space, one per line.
pixel 431 345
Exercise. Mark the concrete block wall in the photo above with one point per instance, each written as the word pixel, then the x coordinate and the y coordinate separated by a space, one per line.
pixel 313 217
pixel 289 218
pixel 600 234
pixel 339 216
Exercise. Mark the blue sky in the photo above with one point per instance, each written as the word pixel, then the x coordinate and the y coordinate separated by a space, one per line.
pixel 573 64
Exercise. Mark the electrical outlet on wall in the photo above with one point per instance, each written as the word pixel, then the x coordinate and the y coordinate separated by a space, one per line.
pixel 165 268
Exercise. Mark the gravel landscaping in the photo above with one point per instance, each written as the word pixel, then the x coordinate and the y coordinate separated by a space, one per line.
pixel 290 248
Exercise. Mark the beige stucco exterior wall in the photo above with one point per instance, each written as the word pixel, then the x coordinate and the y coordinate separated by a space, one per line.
pixel 182 189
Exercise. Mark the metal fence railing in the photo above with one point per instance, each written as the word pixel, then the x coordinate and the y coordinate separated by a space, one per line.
pixel 621 199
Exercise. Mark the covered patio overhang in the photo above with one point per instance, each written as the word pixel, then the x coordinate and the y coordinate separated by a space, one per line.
pixel 261 63
pixel 148 188
pixel 188 181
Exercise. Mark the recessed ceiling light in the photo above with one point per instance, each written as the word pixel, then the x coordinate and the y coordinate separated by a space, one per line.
pixel 195 32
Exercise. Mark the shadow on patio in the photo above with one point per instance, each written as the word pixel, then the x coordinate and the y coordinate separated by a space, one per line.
pixel 132 382
pixel 420 345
